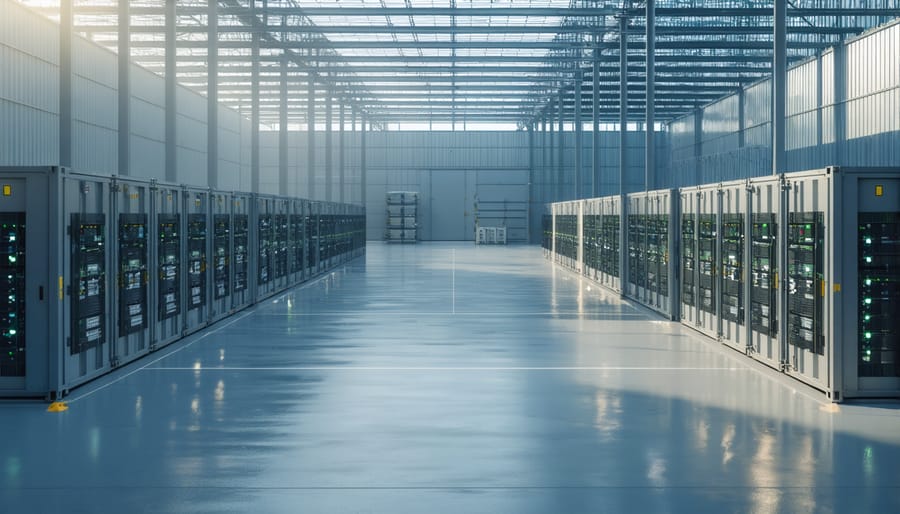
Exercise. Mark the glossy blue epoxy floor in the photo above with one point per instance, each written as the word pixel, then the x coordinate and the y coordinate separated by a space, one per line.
pixel 448 379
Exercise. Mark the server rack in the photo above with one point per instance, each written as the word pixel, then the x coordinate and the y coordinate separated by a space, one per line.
pixel 131 201
pixel 800 271
pixel 100 271
pixel 220 255
pixel 297 238
pixel 166 256
pixel 197 247
pixel 652 243
pixel 265 246
pixel 591 239
pixel 242 276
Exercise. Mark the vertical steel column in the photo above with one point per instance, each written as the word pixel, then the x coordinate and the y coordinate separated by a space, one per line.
pixel 124 91
pixel 623 152
pixel 352 135
pixel 560 172
pixel 576 119
pixel 840 102
pixel 595 135
pixel 362 157
pixel 779 87
pixel 283 129
pixel 212 94
pixel 819 93
pixel 551 165
pixel 311 136
pixel 544 158
pixel 171 94
pixel 341 148
pixel 254 102
pixel 329 154
pixel 649 128
pixel 698 146
pixel 66 20
pixel 742 116
pixel 531 161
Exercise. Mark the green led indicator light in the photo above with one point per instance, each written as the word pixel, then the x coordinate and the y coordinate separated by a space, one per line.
pixel 868 335
pixel 867 317
pixel 868 240
pixel 868 352
pixel 868 260
pixel 808 227
pixel 868 301
pixel 868 281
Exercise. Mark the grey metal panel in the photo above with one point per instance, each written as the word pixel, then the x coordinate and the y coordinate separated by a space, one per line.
pixel 191 166
pixel 94 103
pixel 30 136
pixel 720 125
pixel 27 79
pixel 190 104
pixel 147 86
pixel 94 63
pixel 148 158
pixel 191 133
pixel 149 119
pixel 32 33
pixel 94 148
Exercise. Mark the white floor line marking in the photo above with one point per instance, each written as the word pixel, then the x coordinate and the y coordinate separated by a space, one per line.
pixel 377 311
pixel 154 361
pixel 441 368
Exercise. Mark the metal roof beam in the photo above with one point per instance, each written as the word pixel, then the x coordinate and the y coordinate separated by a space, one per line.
pixel 463 12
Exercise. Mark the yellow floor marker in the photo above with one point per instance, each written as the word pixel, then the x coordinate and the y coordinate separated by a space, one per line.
pixel 58 407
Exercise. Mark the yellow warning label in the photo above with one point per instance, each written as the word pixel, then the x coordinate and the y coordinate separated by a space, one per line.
pixel 7 190
pixel 822 288
pixel 58 407
pixel 61 288
pixel 837 288
pixel 879 190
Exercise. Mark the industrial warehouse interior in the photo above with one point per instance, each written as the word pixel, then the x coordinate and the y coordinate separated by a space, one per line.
pixel 450 256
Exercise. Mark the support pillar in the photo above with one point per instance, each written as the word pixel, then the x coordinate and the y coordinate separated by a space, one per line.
pixel 595 135
pixel 342 183
pixel 171 87
pixel 124 87
pixel 650 124
pixel 212 95
pixel 329 153
pixel 531 196
pixel 311 137
pixel 283 129
pixel 254 107
pixel 551 165
pixel 698 146
pixel 623 151
pixel 362 158
pixel 561 173
pixel 779 87
pixel 840 103
pixel 545 161
pixel 576 120
pixel 66 20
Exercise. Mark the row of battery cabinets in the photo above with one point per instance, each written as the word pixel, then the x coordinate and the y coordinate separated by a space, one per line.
pixel 135 265
pixel 797 271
